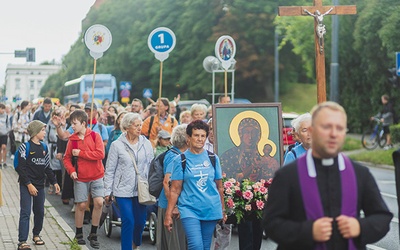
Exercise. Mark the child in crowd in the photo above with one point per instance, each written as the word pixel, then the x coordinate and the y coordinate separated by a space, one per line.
pixel 185 117
pixel 33 167
pixel 83 162
pixel 163 142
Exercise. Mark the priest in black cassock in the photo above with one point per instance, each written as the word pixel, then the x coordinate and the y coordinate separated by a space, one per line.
pixel 315 202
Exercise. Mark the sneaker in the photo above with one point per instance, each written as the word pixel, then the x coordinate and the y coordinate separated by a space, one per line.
pixel 4 165
pixel 92 238
pixel 12 157
pixel 387 147
pixel 79 239
pixel 51 189
pixel 73 209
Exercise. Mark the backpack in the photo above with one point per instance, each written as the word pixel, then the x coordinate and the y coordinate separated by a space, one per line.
pixel 27 145
pixel 156 172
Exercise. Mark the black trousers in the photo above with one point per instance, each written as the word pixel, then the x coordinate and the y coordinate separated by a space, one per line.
pixel 250 234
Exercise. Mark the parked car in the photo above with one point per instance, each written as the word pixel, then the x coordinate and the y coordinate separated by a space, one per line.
pixel 287 133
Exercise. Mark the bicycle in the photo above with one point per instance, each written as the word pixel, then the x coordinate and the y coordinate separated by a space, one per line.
pixel 375 136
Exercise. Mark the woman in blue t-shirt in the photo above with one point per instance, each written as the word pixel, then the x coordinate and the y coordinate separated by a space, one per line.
pixel 196 186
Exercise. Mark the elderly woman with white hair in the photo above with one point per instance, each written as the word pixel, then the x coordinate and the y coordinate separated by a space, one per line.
pixel 198 112
pixel 121 180
pixel 301 127
pixel 175 239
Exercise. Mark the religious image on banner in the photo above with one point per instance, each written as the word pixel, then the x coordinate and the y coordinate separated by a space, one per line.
pixel 248 139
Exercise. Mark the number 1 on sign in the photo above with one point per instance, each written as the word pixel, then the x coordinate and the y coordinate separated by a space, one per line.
pixel 161 36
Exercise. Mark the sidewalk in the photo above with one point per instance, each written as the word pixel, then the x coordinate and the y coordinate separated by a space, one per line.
pixel 56 233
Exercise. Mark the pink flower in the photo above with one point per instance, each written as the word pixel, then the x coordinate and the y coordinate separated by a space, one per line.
pixel 260 205
pixel 228 184
pixel 248 195
pixel 230 203
pixel 247 207
pixel 263 190
pixel 228 191
pixel 232 180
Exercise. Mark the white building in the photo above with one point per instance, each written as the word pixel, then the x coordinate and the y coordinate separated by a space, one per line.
pixel 25 81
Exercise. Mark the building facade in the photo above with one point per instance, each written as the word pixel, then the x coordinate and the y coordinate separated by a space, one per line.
pixel 23 81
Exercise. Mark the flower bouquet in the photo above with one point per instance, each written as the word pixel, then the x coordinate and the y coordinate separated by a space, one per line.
pixel 245 199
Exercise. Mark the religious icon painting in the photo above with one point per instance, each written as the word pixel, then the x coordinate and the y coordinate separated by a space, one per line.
pixel 248 139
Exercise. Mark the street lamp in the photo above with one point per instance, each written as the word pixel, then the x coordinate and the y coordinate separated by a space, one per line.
pixel 212 65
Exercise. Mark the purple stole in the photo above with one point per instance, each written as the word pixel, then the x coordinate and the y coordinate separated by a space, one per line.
pixel 311 196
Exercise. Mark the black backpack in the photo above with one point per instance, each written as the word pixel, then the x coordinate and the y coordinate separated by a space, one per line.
pixel 156 172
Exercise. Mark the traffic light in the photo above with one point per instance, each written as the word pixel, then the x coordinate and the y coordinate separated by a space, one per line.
pixel 30 55
pixel 393 78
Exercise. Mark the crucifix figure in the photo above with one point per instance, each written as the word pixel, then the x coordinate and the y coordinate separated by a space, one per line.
pixel 320 31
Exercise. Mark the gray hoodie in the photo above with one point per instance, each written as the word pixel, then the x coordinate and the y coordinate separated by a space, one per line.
pixel 120 175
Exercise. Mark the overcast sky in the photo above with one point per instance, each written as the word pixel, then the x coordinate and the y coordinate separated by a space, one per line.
pixel 50 26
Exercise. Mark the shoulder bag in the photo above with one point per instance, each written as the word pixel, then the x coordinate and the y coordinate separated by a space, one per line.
pixel 144 196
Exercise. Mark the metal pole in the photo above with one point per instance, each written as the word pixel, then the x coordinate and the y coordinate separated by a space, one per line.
pixel 334 88
pixel 276 66
pixel 233 86
pixel 213 87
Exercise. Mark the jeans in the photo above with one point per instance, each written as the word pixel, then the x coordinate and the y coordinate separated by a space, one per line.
pixel 198 233
pixel 250 235
pixel 133 217
pixel 25 212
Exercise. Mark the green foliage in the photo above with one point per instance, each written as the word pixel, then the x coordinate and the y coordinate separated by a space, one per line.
pixel 300 99
pixel 395 133
pixel 367 42
pixel 383 157
pixel 351 144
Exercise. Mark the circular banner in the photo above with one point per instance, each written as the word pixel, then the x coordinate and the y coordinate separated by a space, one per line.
pixel 161 41
pixel 98 39
pixel 225 50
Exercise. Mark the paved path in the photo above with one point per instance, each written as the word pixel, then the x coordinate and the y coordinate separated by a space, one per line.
pixel 56 233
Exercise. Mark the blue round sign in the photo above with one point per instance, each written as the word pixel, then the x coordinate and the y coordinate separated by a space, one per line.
pixel 161 41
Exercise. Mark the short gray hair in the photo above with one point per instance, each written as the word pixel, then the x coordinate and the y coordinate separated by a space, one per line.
pixel 301 118
pixel 128 119
pixel 198 107
pixel 178 137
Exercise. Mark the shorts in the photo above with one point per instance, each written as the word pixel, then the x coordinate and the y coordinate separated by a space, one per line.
pixel 3 139
pixel 82 189
pixel 386 129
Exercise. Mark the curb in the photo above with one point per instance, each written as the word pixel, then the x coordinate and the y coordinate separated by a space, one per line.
pixel 372 165
pixel 61 222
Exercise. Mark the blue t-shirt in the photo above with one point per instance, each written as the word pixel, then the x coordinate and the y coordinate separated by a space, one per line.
pixel 168 160
pixel 95 128
pixel 299 150
pixel 199 197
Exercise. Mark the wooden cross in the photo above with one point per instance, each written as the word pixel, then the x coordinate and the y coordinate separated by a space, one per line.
pixel 318 11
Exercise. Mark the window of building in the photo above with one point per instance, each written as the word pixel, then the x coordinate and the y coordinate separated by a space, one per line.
pixel 17 84
pixel 39 84
pixel 32 84
pixel 31 97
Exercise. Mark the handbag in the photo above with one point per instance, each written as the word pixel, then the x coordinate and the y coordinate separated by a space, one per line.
pixel 144 196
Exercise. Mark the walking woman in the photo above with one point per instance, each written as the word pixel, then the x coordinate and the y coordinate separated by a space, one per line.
pixel 121 180
pixel 196 186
